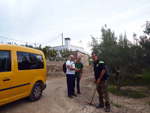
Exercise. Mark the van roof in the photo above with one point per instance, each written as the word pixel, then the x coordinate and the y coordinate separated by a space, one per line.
pixel 19 48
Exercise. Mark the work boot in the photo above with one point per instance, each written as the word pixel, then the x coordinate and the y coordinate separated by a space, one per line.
pixel 107 109
pixel 70 96
pixel 99 106
pixel 74 95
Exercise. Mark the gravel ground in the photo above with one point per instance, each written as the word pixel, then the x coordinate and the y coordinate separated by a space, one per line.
pixel 55 100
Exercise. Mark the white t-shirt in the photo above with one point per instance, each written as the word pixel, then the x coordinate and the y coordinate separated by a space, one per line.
pixel 72 65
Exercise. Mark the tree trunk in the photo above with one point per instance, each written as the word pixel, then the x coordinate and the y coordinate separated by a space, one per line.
pixel 118 80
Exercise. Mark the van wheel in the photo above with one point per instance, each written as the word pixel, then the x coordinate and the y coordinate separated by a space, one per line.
pixel 36 92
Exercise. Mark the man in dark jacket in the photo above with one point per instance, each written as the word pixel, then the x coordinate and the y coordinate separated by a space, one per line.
pixel 101 81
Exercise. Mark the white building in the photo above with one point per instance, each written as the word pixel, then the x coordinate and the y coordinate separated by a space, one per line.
pixel 76 51
pixel 68 46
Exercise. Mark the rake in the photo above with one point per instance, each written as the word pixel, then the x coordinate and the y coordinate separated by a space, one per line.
pixel 91 102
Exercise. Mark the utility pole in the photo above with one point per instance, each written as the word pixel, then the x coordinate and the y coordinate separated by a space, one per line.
pixel 62 38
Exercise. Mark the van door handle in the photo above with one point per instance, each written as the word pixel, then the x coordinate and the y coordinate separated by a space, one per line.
pixel 6 79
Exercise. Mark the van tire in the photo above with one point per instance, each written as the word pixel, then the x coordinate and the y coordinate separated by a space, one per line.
pixel 36 92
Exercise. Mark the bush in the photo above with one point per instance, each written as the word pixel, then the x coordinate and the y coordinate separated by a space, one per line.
pixel 134 80
pixel 145 78
pixel 127 92
pixel 137 95
pixel 113 90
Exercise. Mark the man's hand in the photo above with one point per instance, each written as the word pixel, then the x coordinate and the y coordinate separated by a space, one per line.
pixel 98 81
pixel 77 69
pixel 70 67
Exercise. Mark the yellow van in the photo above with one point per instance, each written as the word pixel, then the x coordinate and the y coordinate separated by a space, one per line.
pixel 22 73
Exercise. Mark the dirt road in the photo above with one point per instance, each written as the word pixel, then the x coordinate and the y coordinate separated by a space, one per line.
pixel 55 100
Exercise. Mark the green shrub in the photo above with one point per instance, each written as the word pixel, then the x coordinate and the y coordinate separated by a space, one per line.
pixel 127 92
pixel 145 70
pixel 137 95
pixel 134 80
pixel 113 90
pixel 128 83
pixel 145 78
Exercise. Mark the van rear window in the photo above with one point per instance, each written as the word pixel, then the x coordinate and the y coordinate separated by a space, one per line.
pixel 27 61
pixel 5 61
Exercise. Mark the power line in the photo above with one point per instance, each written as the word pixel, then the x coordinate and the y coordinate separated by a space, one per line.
pixel 17 40
pixel 52 39
pixel 29 42
pixel 12 39
pixel 4 33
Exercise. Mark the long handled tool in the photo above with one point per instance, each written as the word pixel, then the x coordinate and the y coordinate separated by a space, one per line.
pixel 90 103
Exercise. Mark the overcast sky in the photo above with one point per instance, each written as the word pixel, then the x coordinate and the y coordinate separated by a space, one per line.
pixel 40 21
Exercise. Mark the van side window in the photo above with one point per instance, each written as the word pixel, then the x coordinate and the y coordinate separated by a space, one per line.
pixel 27 61
pixel 5 61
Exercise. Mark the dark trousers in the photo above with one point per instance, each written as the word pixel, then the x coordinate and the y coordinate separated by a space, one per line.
pixel 78 82
pixel 71 83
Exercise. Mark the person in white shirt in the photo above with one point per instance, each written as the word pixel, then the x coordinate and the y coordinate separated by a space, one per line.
pixel 70 73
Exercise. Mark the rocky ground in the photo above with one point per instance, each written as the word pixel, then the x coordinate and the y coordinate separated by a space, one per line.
pixel 55 100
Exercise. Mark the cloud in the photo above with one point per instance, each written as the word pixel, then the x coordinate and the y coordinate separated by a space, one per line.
pixel 40 21
pixel 130 13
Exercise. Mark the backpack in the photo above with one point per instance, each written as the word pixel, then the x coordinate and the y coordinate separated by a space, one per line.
pixel 64 67
pixel 106 69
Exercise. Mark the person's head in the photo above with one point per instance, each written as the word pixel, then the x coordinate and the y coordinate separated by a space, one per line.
pixel 94 57
pixel 71 57
pixel 78 58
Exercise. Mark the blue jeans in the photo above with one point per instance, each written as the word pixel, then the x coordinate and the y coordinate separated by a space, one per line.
pixel 71 83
